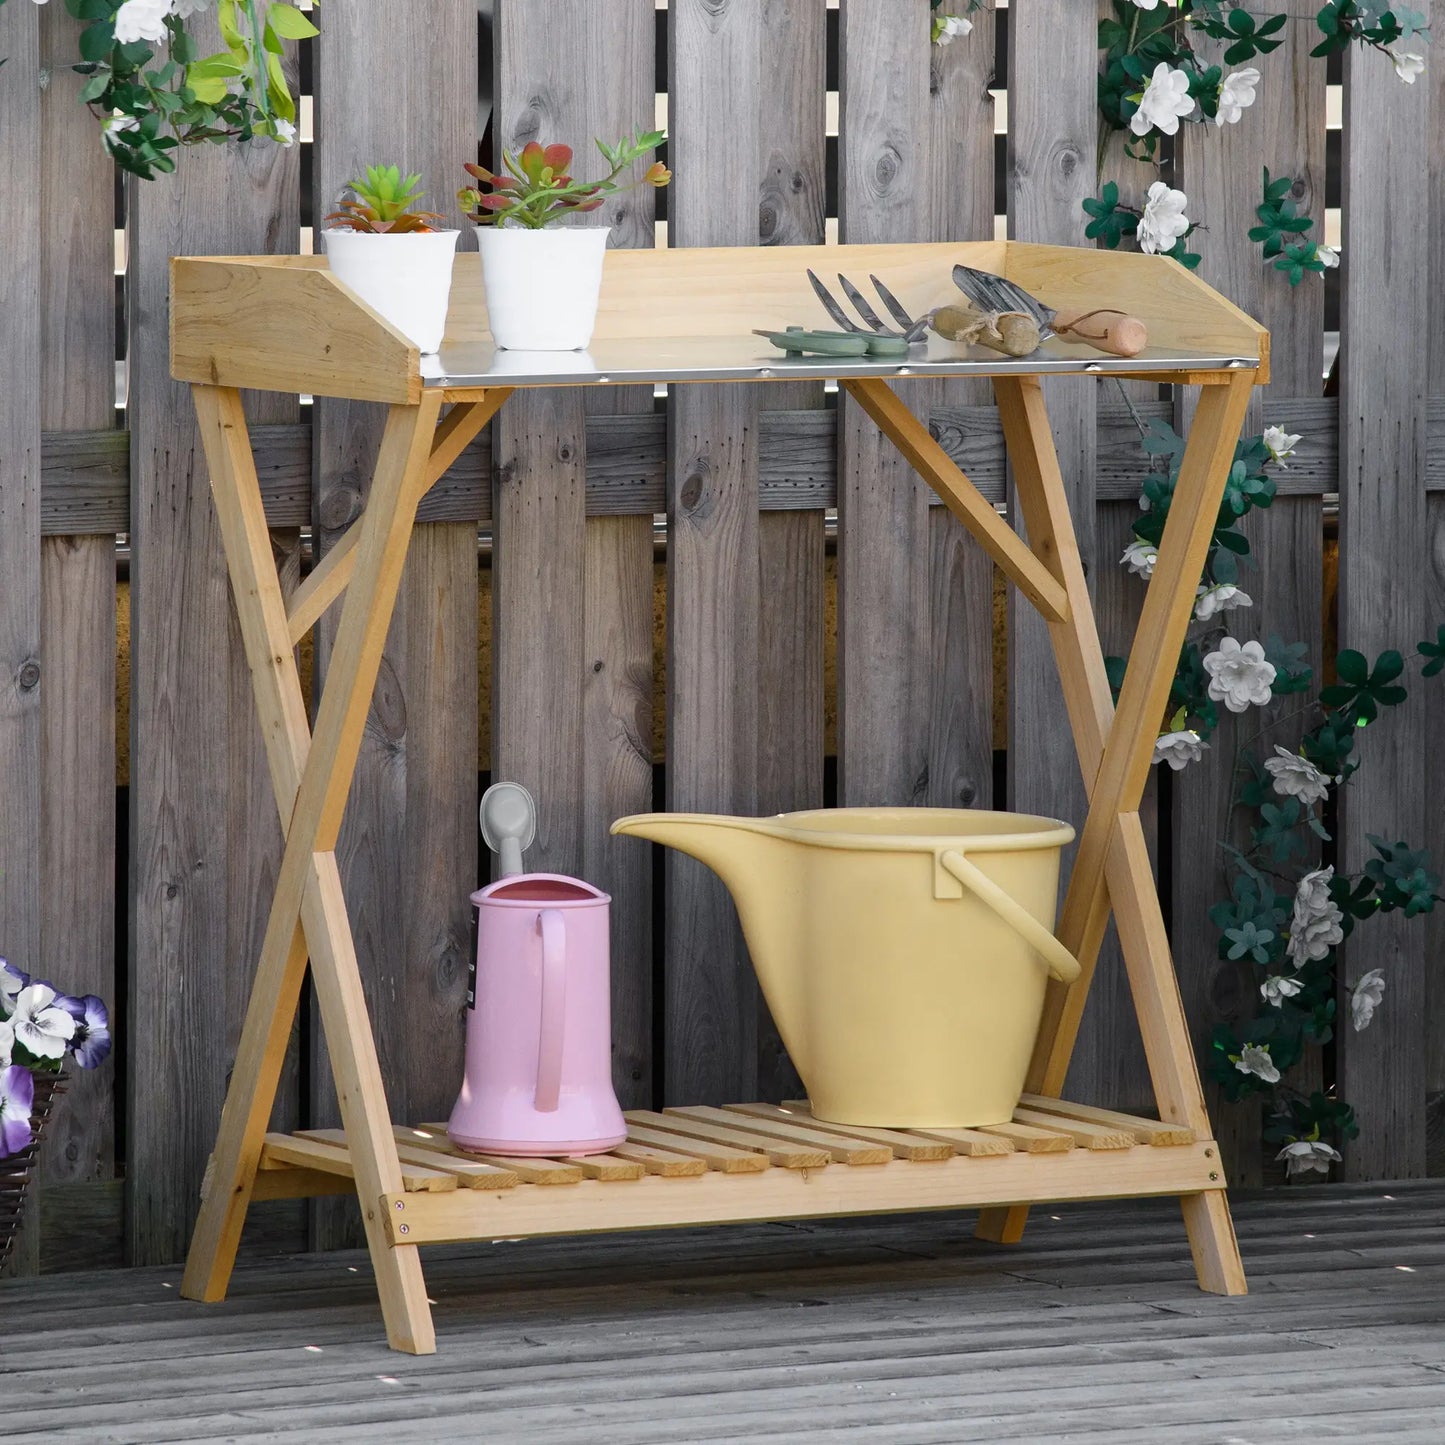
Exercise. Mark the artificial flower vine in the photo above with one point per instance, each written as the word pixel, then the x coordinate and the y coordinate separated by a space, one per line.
pixel 1153 79
pixel 1288 911
pixel 153 92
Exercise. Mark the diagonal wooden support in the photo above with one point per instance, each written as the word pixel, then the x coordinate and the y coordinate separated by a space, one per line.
pixel 331 576
pixel 311 776
pixel 1115 750
pixel 917 444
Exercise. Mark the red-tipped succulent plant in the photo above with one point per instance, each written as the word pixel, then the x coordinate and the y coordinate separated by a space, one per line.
pixel 536 187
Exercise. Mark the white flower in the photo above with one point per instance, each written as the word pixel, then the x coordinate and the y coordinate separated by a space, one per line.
pixel 11 982
pixel 1407 63
pixel 1153 4
pixel 1179 749
pixel 1364 1000
pixel 41 1027
pixel 7 1033
pixel 1296 777
pixel 1327 256
pixel 1279 443
pixel 1165 99
pixel 1221 598
pixel 1163 221
pixel 946 27
pixel 1255 1060
pixel 1279 987
pixel 1236 95
pixel 1315 923
pixel 1140 558
pixel 1308 1156
pixel 1239 674
pixel 141 20
pixel 283 132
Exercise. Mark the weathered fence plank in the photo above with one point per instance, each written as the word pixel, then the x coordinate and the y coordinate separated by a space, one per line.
pixel 791 544
pixel 1222 175
pixel 710 1048
pixel 85 487
pixel 78 611
pixel 1382 546
pixel 21 737
pixel 202 820
pixel 961 674
pixel 1053 126
pixel 409 844
pixel 1434 926
pixel 566 714
pixel 885 183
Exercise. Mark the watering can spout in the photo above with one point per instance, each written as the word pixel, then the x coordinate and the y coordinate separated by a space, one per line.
pixel 760 864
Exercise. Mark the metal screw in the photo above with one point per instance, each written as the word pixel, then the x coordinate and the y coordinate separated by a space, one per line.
pixel 1209 1153
pixel 403 1229
pixel 1212 1177
pixel 400 1204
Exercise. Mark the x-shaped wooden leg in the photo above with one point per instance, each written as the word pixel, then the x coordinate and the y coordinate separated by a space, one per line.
pixel 311 776
pixel 1115 748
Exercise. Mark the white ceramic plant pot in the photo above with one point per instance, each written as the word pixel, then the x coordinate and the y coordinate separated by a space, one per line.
pixel 542 286
pixel 407 278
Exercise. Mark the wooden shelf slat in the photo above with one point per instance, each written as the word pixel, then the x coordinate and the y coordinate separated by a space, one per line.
pixel 336 1159
pixel 1030 1139
pixel 1145 1131
pixel 914 1147
pixel 844 1151
pixel 716 1156
pixel 469 1175
pixel 1084 1134
pixel 784 1153
pixel 662 1162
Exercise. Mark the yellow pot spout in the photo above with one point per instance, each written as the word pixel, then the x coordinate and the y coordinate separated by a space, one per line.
pixel 761 867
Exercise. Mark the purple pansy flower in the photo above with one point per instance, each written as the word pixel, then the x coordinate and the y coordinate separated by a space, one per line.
pixel 12 980
pixel 90 1044
pixel 17 1094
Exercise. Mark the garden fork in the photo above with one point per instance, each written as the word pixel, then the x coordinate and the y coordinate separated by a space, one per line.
pixel 874 324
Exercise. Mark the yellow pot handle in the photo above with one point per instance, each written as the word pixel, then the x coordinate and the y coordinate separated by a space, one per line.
pixel 1062 964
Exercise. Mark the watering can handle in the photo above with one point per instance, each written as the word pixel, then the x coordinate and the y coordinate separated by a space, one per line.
pixel 554 1007
pixel 1062 964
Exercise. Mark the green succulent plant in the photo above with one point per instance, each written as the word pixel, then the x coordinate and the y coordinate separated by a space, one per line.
pixel 380 204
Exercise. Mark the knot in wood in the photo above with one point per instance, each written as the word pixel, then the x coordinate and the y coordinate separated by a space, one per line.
pixel 340 507
pixel 29 675
pixel 388 704
pixel 886 169
pixel 694 489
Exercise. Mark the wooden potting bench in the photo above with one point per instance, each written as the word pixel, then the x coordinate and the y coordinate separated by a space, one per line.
pixel 678 316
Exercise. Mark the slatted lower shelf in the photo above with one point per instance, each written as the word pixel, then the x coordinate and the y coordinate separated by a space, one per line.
pixel 754 1161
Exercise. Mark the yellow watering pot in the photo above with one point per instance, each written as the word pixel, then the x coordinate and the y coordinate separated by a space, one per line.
pixel 904 952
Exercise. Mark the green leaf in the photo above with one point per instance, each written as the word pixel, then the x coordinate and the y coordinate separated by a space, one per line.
pixel 288 21
pixel 97 41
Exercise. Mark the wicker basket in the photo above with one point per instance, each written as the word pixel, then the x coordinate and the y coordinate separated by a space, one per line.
pixel 17 1171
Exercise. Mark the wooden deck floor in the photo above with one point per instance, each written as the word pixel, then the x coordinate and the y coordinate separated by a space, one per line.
pixel 897 1330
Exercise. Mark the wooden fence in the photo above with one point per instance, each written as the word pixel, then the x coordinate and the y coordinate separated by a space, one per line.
pixel 568 489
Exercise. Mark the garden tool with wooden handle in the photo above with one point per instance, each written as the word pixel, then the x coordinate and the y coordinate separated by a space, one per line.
pixel 1104 328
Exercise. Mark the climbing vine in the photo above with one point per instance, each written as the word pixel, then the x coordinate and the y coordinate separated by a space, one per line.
pixel 1286 912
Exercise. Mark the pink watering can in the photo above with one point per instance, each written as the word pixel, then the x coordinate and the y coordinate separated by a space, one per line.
pixel 539 1033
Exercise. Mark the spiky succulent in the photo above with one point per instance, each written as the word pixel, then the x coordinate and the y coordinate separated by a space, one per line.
pixel 381 204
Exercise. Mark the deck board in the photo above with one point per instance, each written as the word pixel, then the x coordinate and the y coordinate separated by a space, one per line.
pixel 897 1329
